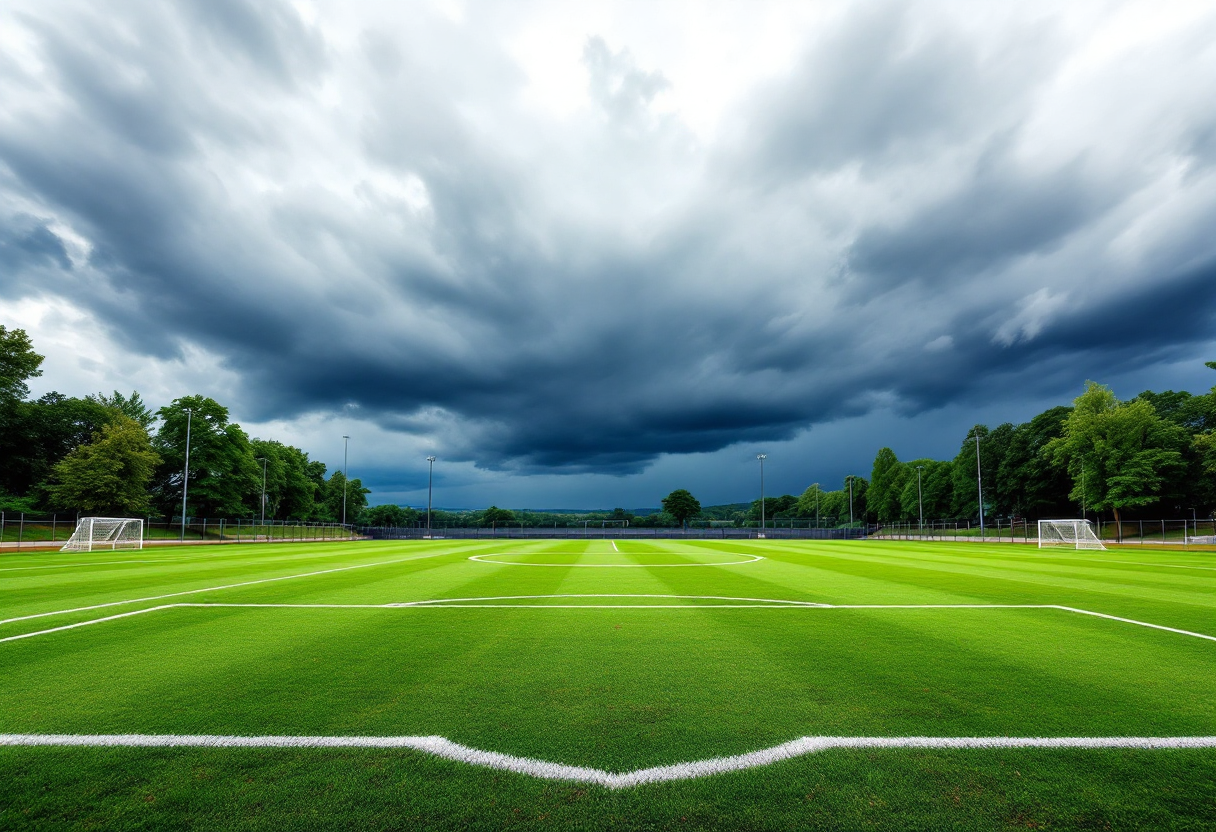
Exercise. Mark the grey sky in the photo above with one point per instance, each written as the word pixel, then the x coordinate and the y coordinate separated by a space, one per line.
pixel 587 253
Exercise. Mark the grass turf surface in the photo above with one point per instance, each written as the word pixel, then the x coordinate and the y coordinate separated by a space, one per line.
pixel 616 688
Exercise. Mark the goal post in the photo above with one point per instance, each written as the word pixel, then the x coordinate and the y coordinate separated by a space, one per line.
pixel 105 533
pixel 1073 534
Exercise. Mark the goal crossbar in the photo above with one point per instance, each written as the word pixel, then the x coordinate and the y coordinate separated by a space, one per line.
pixel 105 533
pixel 1073 534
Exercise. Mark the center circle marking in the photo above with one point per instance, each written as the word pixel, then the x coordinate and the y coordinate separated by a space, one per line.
pixel 487 559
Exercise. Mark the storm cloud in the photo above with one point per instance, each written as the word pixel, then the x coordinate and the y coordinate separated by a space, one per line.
pixel 364 209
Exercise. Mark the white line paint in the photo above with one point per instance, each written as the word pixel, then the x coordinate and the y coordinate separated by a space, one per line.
pixel 87 623
pixel 1139 563
pixel 218 588
pixel 448 750
pixel 752 603
pixel 1137 623
pixel 455 601
pixel 614 547
pixel 93 563
pixel 484 559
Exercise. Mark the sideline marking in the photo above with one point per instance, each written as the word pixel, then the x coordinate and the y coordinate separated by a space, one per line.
pixel 756 603
pixel 482 559
pixel 448 750
pixel 95 563
pixel 614 547
pixel 218 588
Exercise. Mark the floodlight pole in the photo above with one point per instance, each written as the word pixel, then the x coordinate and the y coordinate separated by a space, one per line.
pixel 920 499
pixel 979 482
pixel 850 479
pixel 761 457
pixel 262 460
pixel 430 474
pixel 345 473
pixel 816 505
pixel 186 473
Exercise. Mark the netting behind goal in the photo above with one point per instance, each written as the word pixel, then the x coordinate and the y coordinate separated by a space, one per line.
pixel 105 533
pixel 1075 534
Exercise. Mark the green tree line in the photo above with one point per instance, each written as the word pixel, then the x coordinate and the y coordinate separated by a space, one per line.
pixel 113 455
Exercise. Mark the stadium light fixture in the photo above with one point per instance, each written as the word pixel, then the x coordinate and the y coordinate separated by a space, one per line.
pixel 979 482
pixel 920 498
pixel 761 457
pixel 345 472
pixel 430 476
pixel 262 460
pixel 186 472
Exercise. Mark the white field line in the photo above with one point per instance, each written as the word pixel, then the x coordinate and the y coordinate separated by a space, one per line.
pixel 755 603
pixel 483 559
pixel 94 563
pixel 1138 623
pixel 614 547
pixel 455 601
pixel 218 588
pixel 1165 565
pixel 87 623
pixel 448 750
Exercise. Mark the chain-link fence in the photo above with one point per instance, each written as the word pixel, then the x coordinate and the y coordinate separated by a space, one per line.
pixel 23 530
pixel 618 533
pixel 1136 532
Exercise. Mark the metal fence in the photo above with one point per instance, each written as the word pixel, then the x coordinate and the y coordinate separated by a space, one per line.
pixel 631 533
pixel 24 530
pixel 1135 532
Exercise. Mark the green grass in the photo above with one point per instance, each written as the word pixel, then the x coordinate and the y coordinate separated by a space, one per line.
pixel 617 689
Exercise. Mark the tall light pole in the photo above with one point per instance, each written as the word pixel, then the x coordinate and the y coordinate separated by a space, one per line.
pixel 262 460
pixel 850 479
pixel 816 505
pixel 920 498
pixel 979 482
pixel 345 472
pixel 761 457
pixel 186 472
pixel 430 477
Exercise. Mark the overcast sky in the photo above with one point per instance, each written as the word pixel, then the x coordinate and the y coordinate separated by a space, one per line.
pixel 588 253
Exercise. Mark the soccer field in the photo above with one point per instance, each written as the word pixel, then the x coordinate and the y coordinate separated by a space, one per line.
pixel 608 684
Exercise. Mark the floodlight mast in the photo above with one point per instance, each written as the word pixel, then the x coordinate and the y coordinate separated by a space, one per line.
pixel 850 479
pixel 761 457
pixel 429 479
pixel 186 473
pixel 979 482
pixel 816 505
pixel 262 460
pixel 345 473
pixel 920 498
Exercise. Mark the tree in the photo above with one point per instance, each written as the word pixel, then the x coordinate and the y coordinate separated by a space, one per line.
pixel 355 496
pixel 1030 484
pixel 934 490
pixel 886 485
pixel 811 503
pixel 109 476
pixel 225 481
pixel 18 364
pixel 130 406
pixel 786 506
pixel 387 516
pixel 495 516
pixel 1119 455
pixel 293 482
pixel 681 505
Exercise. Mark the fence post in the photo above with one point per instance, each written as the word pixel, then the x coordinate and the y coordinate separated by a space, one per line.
pixel 21 530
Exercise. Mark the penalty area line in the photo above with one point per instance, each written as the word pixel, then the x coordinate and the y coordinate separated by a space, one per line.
pixel 542 769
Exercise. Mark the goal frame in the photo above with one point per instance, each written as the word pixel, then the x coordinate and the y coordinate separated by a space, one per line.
pixel 110 533
pixel 1073 534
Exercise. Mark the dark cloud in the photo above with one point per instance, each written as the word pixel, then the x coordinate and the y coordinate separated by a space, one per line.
pixel 377 226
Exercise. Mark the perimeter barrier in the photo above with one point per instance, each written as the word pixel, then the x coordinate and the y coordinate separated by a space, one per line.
pixel 26 530
pixel 618 533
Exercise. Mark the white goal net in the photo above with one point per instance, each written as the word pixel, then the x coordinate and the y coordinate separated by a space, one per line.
pixel 105 533
pixel 1075 534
